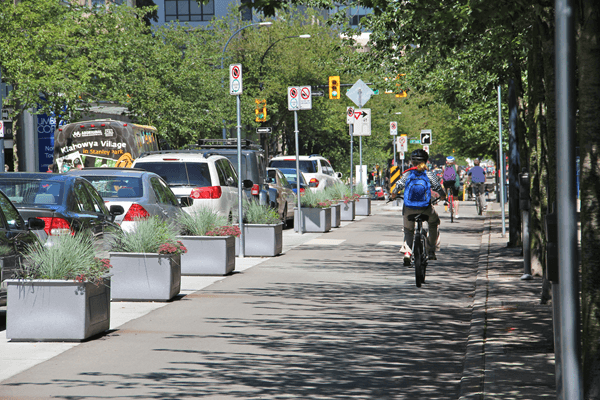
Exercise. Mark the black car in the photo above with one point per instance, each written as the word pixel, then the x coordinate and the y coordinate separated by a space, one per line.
pixel 15 236
pixel 68 204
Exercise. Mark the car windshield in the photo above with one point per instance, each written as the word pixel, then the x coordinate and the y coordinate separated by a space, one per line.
pixel 117 186
pixel 309 167
pixel 194 174
pixel 33 191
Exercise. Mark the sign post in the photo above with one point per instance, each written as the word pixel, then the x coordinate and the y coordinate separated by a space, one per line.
pixel 299 98
pixel 359 93
pixel 235 89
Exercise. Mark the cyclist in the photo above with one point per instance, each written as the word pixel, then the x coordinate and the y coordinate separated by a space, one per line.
pixel 476 176
pixel 451 180
pixel 417 183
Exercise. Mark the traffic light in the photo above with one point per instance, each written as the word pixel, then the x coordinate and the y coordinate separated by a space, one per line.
pixel 334 87
pixel 261 110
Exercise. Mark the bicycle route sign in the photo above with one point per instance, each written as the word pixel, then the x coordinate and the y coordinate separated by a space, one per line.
pixel 235 79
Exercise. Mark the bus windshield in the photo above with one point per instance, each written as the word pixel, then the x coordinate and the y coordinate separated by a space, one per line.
pixel 101 143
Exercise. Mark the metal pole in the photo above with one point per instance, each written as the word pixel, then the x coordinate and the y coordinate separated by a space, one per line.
pixel 501 162
pixel 394 149
pixel 351 127
pixel 240 190
pixel 557 346
pixel 360 168
pixel 513 167
pixel 526 246
pixel 300 219
pixel 566 202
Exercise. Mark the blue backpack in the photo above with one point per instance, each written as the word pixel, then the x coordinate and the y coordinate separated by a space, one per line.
pixel 417 190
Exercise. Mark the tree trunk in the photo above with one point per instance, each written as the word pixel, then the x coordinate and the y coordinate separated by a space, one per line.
pixel 588 50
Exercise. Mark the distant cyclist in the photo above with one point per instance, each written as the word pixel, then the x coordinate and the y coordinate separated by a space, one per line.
pixel 417 183
pixel 451 180
pixel 476 176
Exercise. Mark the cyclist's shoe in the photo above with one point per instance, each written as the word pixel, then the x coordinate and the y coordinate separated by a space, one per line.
pixel 407 259
pixel 432 256
pixel 456 216
pixel 445 203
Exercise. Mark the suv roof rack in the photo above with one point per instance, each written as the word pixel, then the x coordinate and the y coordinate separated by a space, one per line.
pixel 246 144
pixel 191 151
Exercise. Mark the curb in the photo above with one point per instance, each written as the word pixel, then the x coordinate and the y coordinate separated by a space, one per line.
pixel 473 376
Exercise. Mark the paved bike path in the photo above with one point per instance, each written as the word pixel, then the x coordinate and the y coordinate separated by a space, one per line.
pixel 336 317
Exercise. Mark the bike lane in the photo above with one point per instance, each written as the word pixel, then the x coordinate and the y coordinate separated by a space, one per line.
pixel 336 317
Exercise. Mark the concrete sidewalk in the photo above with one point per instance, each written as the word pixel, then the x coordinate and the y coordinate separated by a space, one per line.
pixel 510 351
pixel 334 318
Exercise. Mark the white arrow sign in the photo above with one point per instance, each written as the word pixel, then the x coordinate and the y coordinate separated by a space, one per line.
pixel 362 122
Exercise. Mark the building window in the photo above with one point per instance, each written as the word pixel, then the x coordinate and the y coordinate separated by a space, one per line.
pixel 188 10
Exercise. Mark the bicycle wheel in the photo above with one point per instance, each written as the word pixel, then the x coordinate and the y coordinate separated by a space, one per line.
pixel 451 205
pixel 425 256
pixel 418 260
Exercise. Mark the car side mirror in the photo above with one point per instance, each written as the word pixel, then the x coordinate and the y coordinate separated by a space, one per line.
pixel 116 210
pixel 247 184
pixel 36 224
pixel 339 175
pixel 186 201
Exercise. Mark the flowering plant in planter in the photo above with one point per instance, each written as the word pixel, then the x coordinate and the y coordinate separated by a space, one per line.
pixel 69 258
pixel 255 213
pixel 312 199
pixel 170 248
pixel 150 235
pixel 341 192
pixel 225 230
pixel 199 222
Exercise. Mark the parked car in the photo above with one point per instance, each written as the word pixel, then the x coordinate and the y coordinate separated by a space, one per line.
pixel 254 164
pixel 290 175
pixel 16 234
pixel 210 180
pixel 68 204
pixel 317 169
pixel 141 193
pixel 285 194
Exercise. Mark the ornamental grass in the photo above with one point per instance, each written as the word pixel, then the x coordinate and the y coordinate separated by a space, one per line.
pixel 200 222
pixel 71 257
pixel 148 236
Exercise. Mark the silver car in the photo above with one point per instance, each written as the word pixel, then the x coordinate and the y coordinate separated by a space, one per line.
pixel 139 192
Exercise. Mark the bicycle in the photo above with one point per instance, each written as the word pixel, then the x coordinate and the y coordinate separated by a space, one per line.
pixel 450 201
pixel 420 248
pixel 479 201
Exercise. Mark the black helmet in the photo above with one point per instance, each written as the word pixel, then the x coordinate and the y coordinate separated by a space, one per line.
pixel 419 155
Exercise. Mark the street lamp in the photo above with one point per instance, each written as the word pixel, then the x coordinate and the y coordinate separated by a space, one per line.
pixel 223 56
pixel 269 48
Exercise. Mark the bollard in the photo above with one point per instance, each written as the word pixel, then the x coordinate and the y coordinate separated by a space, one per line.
pixel 524 205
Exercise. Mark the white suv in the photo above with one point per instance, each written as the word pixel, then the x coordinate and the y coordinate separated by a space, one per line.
pixel 317 170
pixel 210 181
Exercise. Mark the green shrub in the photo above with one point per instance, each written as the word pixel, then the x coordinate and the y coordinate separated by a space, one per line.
pixel 255 213
pixel 70 257
pixel 200 222
pixel 147 236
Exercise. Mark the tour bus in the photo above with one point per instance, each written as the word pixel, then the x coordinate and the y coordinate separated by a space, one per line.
pixel 101 143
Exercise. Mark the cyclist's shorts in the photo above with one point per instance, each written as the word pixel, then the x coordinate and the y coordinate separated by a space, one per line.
pixel 478 188
pixel 451 185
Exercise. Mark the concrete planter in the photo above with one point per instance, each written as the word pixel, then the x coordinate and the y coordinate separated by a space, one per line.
pixel 261 240
pixel 348 212
pixel 336 216
pixel 145 276
pixel 56 310
pixel 208 255
pixel 363 206
pixel 313 219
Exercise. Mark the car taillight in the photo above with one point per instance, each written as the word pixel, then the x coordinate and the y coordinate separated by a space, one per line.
pixel 135 212
pixel 255 189
pixel 56 226
pixel 314 182
pixel 208 192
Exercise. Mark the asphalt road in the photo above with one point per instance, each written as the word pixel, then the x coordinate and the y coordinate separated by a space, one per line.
pixel 336 317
